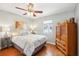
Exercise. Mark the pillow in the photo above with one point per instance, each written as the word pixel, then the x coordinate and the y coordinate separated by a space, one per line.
pixel 24 32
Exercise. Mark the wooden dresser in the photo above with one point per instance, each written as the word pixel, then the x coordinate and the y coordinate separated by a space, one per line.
pixel 66 37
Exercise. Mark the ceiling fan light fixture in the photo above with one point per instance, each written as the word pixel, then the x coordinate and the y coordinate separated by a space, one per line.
pixel 30 7
pixel 30 10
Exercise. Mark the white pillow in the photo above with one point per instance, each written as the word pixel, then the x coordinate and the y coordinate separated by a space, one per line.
pixel 24 32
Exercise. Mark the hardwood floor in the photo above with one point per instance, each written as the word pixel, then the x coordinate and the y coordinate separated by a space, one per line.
pixel 11 51
pixel 48 50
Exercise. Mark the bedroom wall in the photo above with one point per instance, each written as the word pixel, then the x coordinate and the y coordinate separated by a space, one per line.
pixel 7 18
pixel 55 18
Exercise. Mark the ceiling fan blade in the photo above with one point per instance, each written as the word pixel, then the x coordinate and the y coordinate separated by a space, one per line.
pixel 24 13
pixel 38 11
pixel 21 8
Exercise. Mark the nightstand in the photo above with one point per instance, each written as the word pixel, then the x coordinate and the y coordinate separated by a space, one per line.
pixel 5 42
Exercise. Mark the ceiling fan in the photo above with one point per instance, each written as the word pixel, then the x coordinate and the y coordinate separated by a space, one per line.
pixel 30 9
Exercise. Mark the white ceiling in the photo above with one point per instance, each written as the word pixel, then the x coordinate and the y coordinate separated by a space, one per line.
pixel 47 8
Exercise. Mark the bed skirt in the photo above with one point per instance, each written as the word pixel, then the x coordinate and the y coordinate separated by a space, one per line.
pixel 35 51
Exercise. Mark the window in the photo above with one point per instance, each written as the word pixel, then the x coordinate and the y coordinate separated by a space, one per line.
pixel 47 27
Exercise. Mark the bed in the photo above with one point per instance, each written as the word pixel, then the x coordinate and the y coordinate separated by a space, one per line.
pixel 29 44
